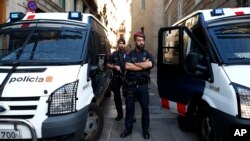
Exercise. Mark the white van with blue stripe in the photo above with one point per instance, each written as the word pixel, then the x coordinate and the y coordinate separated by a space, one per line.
pixel 52 76
pixel 203 72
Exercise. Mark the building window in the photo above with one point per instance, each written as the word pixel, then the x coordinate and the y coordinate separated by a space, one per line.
pixel 142 4
pixel 62 3
pixel 142 30
pixel 243 3
pixel 197 2
pixel 180 7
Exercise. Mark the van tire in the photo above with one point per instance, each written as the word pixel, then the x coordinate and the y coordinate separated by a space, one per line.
pixel 189 121
pixel 206 123
pixel 94 123
pixel 182 123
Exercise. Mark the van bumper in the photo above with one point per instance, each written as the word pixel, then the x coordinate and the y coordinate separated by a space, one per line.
pixel 65 125
pixel 225 125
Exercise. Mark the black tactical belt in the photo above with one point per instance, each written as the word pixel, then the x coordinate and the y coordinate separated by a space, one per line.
pixel 138 82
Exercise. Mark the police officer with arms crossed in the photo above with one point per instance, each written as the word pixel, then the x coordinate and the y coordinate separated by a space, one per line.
pixel 138 63
pixel 116 63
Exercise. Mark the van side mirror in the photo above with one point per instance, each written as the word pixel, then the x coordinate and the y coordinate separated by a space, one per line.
pixel 193 65
pixel 191 62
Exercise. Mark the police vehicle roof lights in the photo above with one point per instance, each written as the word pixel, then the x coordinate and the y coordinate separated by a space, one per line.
pixel 217 12
pixel 16 16
pixel 75 15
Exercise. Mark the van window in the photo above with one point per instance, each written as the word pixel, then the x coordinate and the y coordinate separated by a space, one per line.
pixel 92 49
pixel 43 42
pixel 170 47
pixel 186 43
pixel 190 46
pixel 191 22
pixel 232 42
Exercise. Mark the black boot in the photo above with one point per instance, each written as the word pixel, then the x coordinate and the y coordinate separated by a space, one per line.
pixel 118 118
pixel 146 134
pixel 125 133
pixel 134 120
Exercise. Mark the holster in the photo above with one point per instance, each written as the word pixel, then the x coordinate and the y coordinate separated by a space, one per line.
pixel 116 81
pixel 129 87
pixel 128 91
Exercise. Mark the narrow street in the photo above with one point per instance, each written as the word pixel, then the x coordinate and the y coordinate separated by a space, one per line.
pixel 163 124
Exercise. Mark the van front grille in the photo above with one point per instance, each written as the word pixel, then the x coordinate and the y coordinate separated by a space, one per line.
pixel 19 99
pixel 23 107
pixel 17 116
pixel 24 110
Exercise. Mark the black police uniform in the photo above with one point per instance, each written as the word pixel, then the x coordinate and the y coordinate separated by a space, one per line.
pixel 117 58
pixel 137 86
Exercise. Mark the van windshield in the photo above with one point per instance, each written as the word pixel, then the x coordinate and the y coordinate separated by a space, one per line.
pixel 233 40
pixel 38 42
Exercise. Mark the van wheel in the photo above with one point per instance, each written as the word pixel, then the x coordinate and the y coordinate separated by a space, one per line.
pixel 182 123
pixel 94 124
pixel 207 125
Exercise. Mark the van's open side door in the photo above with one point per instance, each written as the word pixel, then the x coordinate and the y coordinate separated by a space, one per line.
pixel 176 87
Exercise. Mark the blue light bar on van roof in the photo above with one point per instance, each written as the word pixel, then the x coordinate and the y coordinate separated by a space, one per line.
pixel 217 12
pixel 16 16
pixel 75 15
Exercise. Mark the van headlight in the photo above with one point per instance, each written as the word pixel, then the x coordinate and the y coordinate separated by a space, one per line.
pixel 63 100
pixel 244 100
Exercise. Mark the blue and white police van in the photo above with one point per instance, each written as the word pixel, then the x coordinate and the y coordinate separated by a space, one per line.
pixel 203 71
pixel 52 76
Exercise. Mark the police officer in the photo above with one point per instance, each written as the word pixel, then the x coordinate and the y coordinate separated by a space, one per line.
pixel 116 63
pixel 138 63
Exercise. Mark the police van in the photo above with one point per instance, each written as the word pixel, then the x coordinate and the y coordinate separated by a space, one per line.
pixel 203 71
pixel 53 76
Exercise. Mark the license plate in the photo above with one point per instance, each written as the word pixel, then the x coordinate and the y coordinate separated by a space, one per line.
pixel 10 134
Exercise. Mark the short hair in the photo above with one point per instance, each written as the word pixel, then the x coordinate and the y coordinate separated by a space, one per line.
pixel 121 40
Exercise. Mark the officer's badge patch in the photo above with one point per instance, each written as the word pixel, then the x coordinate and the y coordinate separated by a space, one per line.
pixel 133 59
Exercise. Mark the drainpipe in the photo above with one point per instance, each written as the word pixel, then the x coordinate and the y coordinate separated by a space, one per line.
pixel 74 5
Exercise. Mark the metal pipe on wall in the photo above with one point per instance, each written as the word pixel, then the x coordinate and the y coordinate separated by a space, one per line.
pixel 74 5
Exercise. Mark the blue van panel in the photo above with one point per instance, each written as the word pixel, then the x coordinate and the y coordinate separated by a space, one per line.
pixel 179 88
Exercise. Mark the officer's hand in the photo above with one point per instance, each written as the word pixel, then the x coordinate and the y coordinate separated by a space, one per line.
pixel 118 68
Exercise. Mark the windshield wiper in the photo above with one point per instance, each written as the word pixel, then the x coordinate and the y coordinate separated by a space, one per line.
pixel 237 58
pixel 19 52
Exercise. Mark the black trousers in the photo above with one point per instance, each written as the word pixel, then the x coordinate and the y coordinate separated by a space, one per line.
pixel 142 95
pixel 116 85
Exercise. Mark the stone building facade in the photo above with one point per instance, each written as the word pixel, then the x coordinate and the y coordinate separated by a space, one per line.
pixel 108 11
pixel 147 16
pixel 7 6
pixel 177 9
